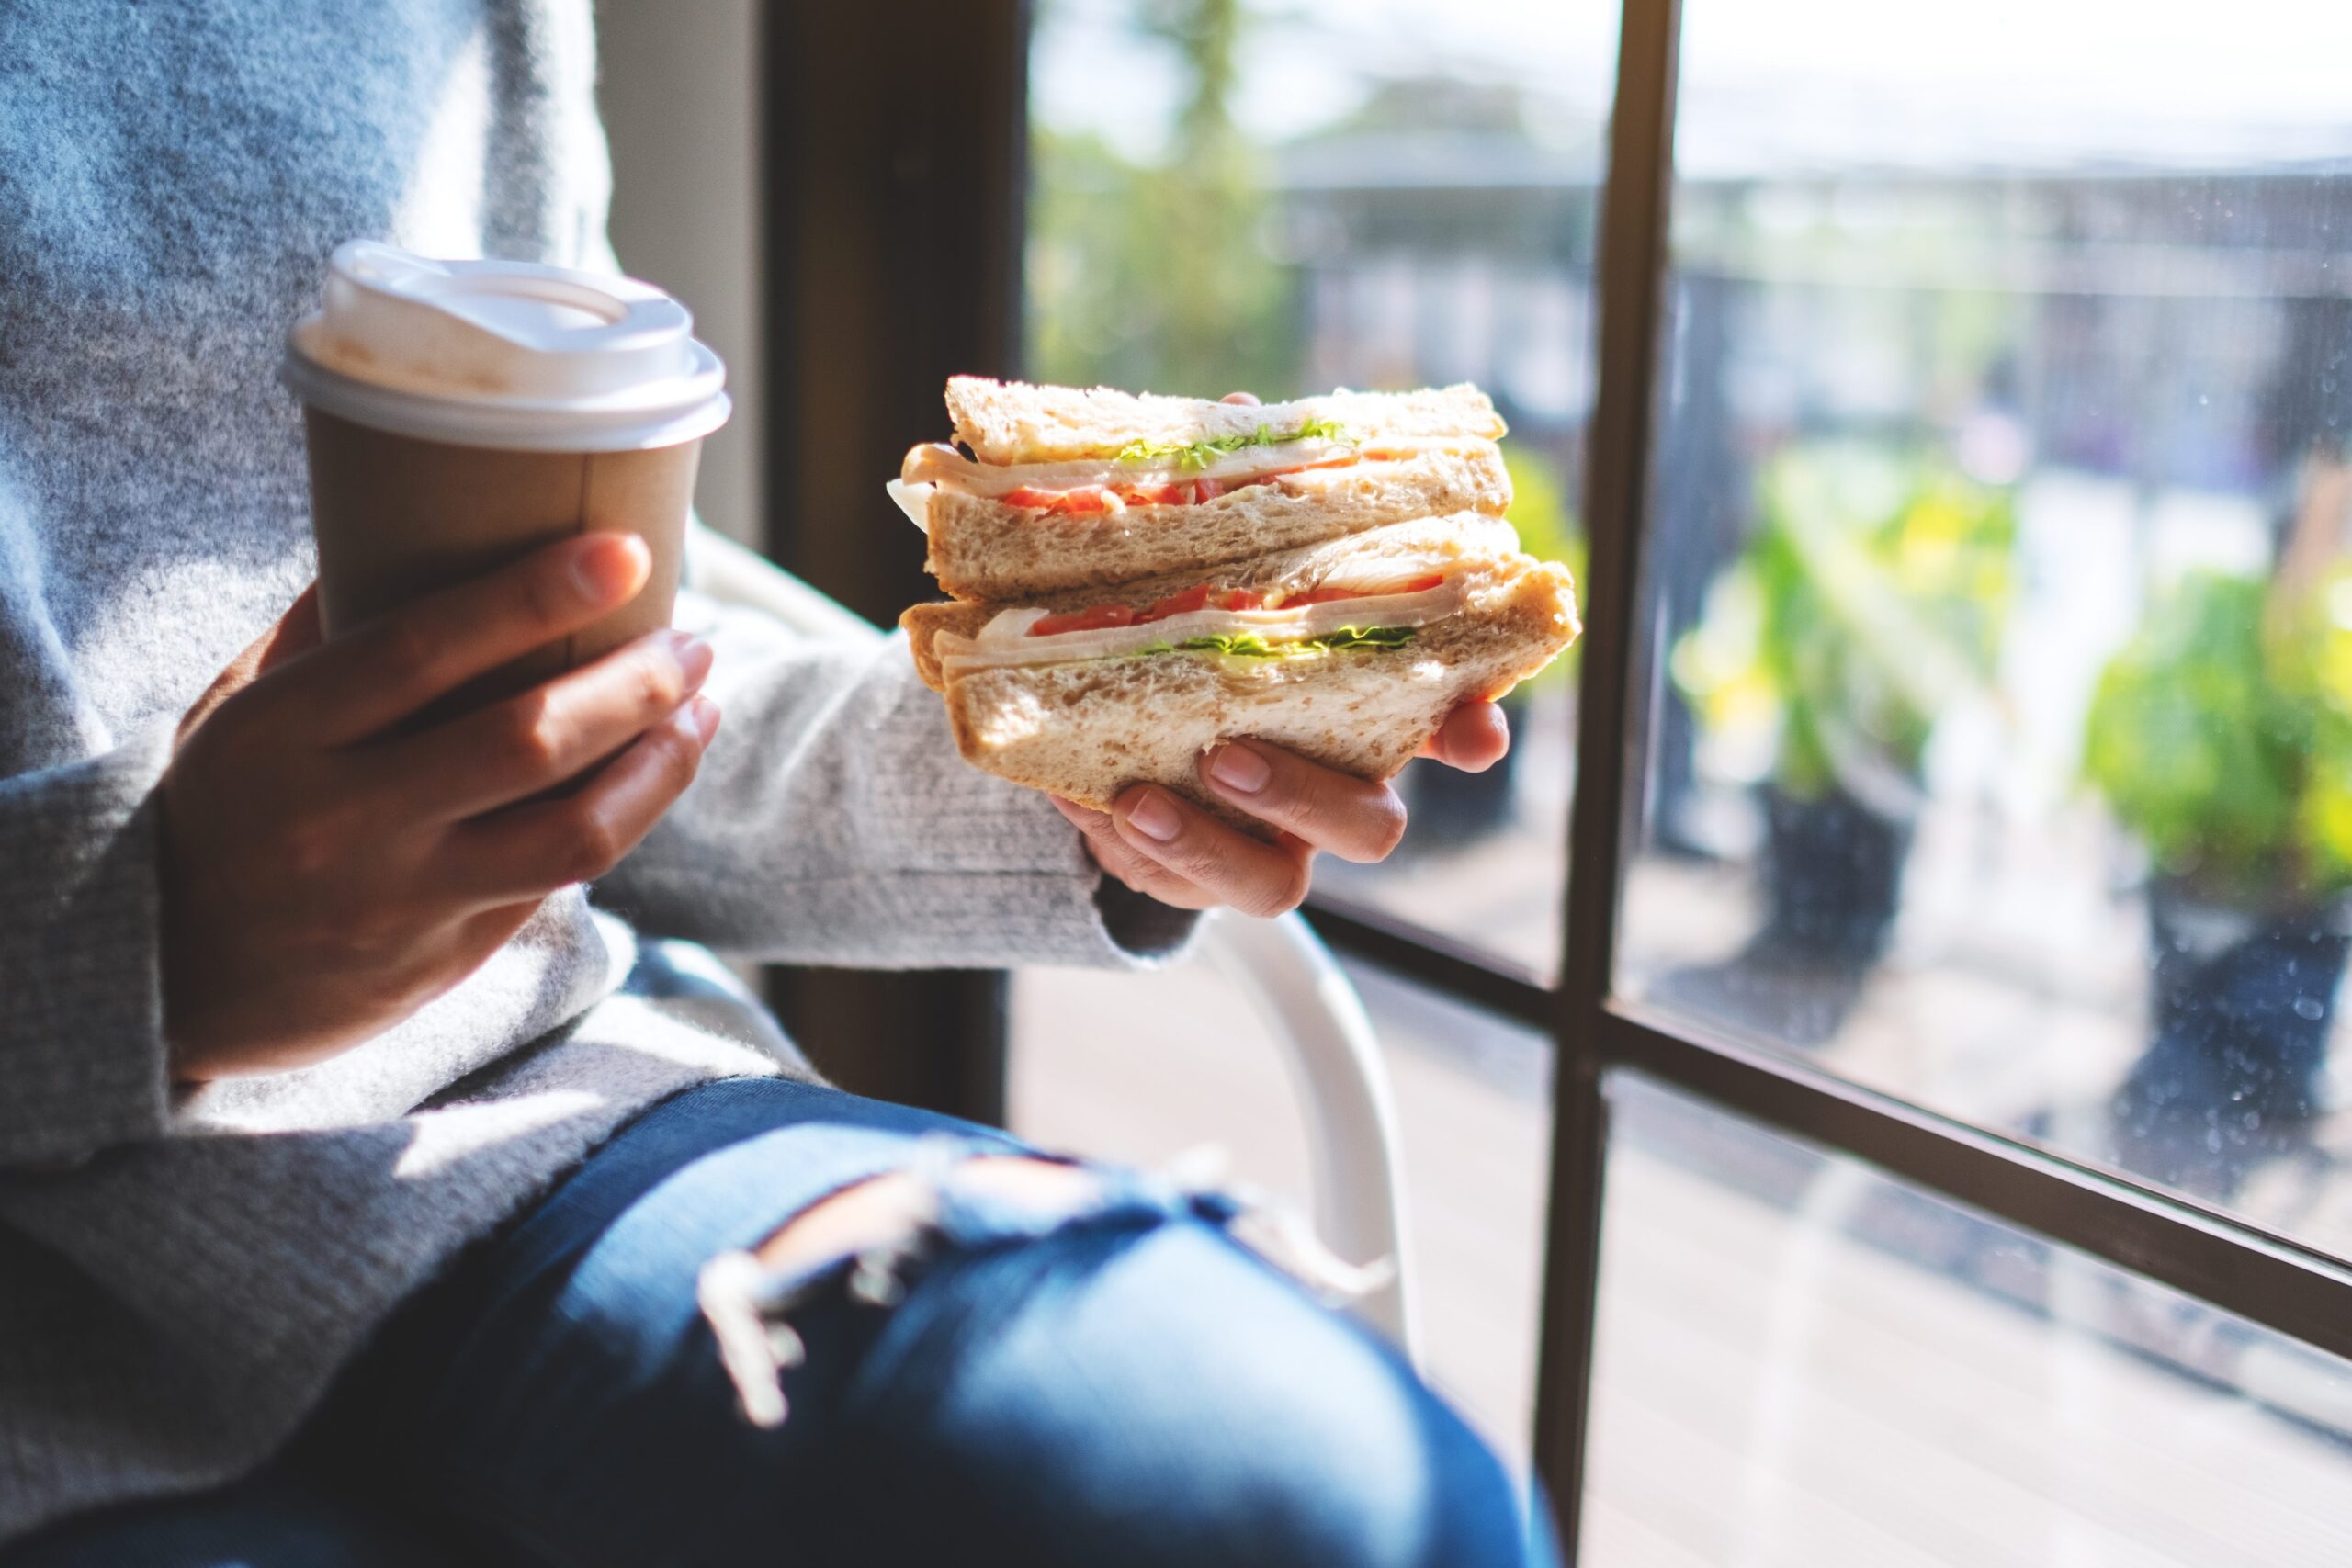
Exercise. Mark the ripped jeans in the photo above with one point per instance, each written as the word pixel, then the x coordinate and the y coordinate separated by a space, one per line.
pixel 1119 1383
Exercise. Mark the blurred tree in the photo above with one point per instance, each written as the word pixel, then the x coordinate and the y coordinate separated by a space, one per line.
pixel 1157 275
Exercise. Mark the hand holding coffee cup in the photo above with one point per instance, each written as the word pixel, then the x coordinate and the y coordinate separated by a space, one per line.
pixel 332 857
pixel 365 805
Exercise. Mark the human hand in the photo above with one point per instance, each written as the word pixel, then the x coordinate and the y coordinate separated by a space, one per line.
pixel 327 869
pixel 1158 842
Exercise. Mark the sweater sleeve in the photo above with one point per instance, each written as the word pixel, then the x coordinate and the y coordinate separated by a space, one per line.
pixel 80 995
pixel 834 823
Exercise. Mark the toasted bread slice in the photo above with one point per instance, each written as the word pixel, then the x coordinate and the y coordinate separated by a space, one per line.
pixel 1427 543
pixel 1012 422
pixel 985 549
pixel 1088 730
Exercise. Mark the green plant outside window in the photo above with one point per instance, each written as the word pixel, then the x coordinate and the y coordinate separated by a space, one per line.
pixel 1548 530
pixel 1871 597
pixel 2221 735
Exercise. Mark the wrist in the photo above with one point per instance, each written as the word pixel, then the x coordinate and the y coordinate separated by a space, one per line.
pixel 1140 924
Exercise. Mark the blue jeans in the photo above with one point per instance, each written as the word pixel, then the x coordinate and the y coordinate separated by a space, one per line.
pixel 1121 1383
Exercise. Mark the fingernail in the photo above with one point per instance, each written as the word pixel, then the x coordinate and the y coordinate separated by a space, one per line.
pixel 1154 818
pixel 704 713
pixel 1238 769
pixel 694 654
pixel 612 567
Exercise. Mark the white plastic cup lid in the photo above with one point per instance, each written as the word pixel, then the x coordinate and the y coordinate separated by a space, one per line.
pixel 510 355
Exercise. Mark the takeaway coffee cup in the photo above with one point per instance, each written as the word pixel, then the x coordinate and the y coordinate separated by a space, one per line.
pixel 462 413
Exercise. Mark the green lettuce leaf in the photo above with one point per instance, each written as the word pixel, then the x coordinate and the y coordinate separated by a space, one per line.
pixel 1201 454
pixel 1250 645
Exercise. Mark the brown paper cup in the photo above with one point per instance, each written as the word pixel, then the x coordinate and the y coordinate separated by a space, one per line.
pixel 397 518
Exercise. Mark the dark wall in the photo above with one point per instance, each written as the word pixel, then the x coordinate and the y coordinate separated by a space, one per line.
pixel 894 137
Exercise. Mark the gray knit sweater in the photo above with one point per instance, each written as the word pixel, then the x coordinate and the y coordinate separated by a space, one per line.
pixel 181 1275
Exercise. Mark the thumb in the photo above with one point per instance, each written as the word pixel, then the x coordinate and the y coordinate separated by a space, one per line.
pixel 1473 738
pixel 295 632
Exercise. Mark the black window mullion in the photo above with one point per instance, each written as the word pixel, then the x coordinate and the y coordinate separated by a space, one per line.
pixel 1630 266
pixel 1463 972
pixel 2269 1280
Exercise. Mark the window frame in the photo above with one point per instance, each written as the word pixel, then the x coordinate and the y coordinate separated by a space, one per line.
pixel 853 184
pixel 2268 1278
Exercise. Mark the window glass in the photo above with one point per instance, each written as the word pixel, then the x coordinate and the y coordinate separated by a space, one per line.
pixel 1143 1067
pixel 1799 1361
pixel 1999 625
pixel 1264 196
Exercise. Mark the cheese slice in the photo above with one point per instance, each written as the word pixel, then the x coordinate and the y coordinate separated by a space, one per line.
pixel 914 500
pixel 943 465
pixel 1005 642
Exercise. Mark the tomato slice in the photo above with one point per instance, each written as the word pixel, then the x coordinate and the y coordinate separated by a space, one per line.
pixel 1087 498
pixel 1196 598
pixel 1092 620
pixel 1186 493
pixel 1332 596
pixel 1177 604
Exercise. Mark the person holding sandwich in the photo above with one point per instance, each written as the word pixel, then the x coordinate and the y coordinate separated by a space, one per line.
pixel 378 1185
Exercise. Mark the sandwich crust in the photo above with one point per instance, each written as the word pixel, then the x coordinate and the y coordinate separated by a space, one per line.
pixel 1086 731
pixel 985 549
pixel 1012 422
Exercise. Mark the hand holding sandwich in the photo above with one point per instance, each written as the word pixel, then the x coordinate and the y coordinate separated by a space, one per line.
pixel 1212 634
pixel 1161 844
